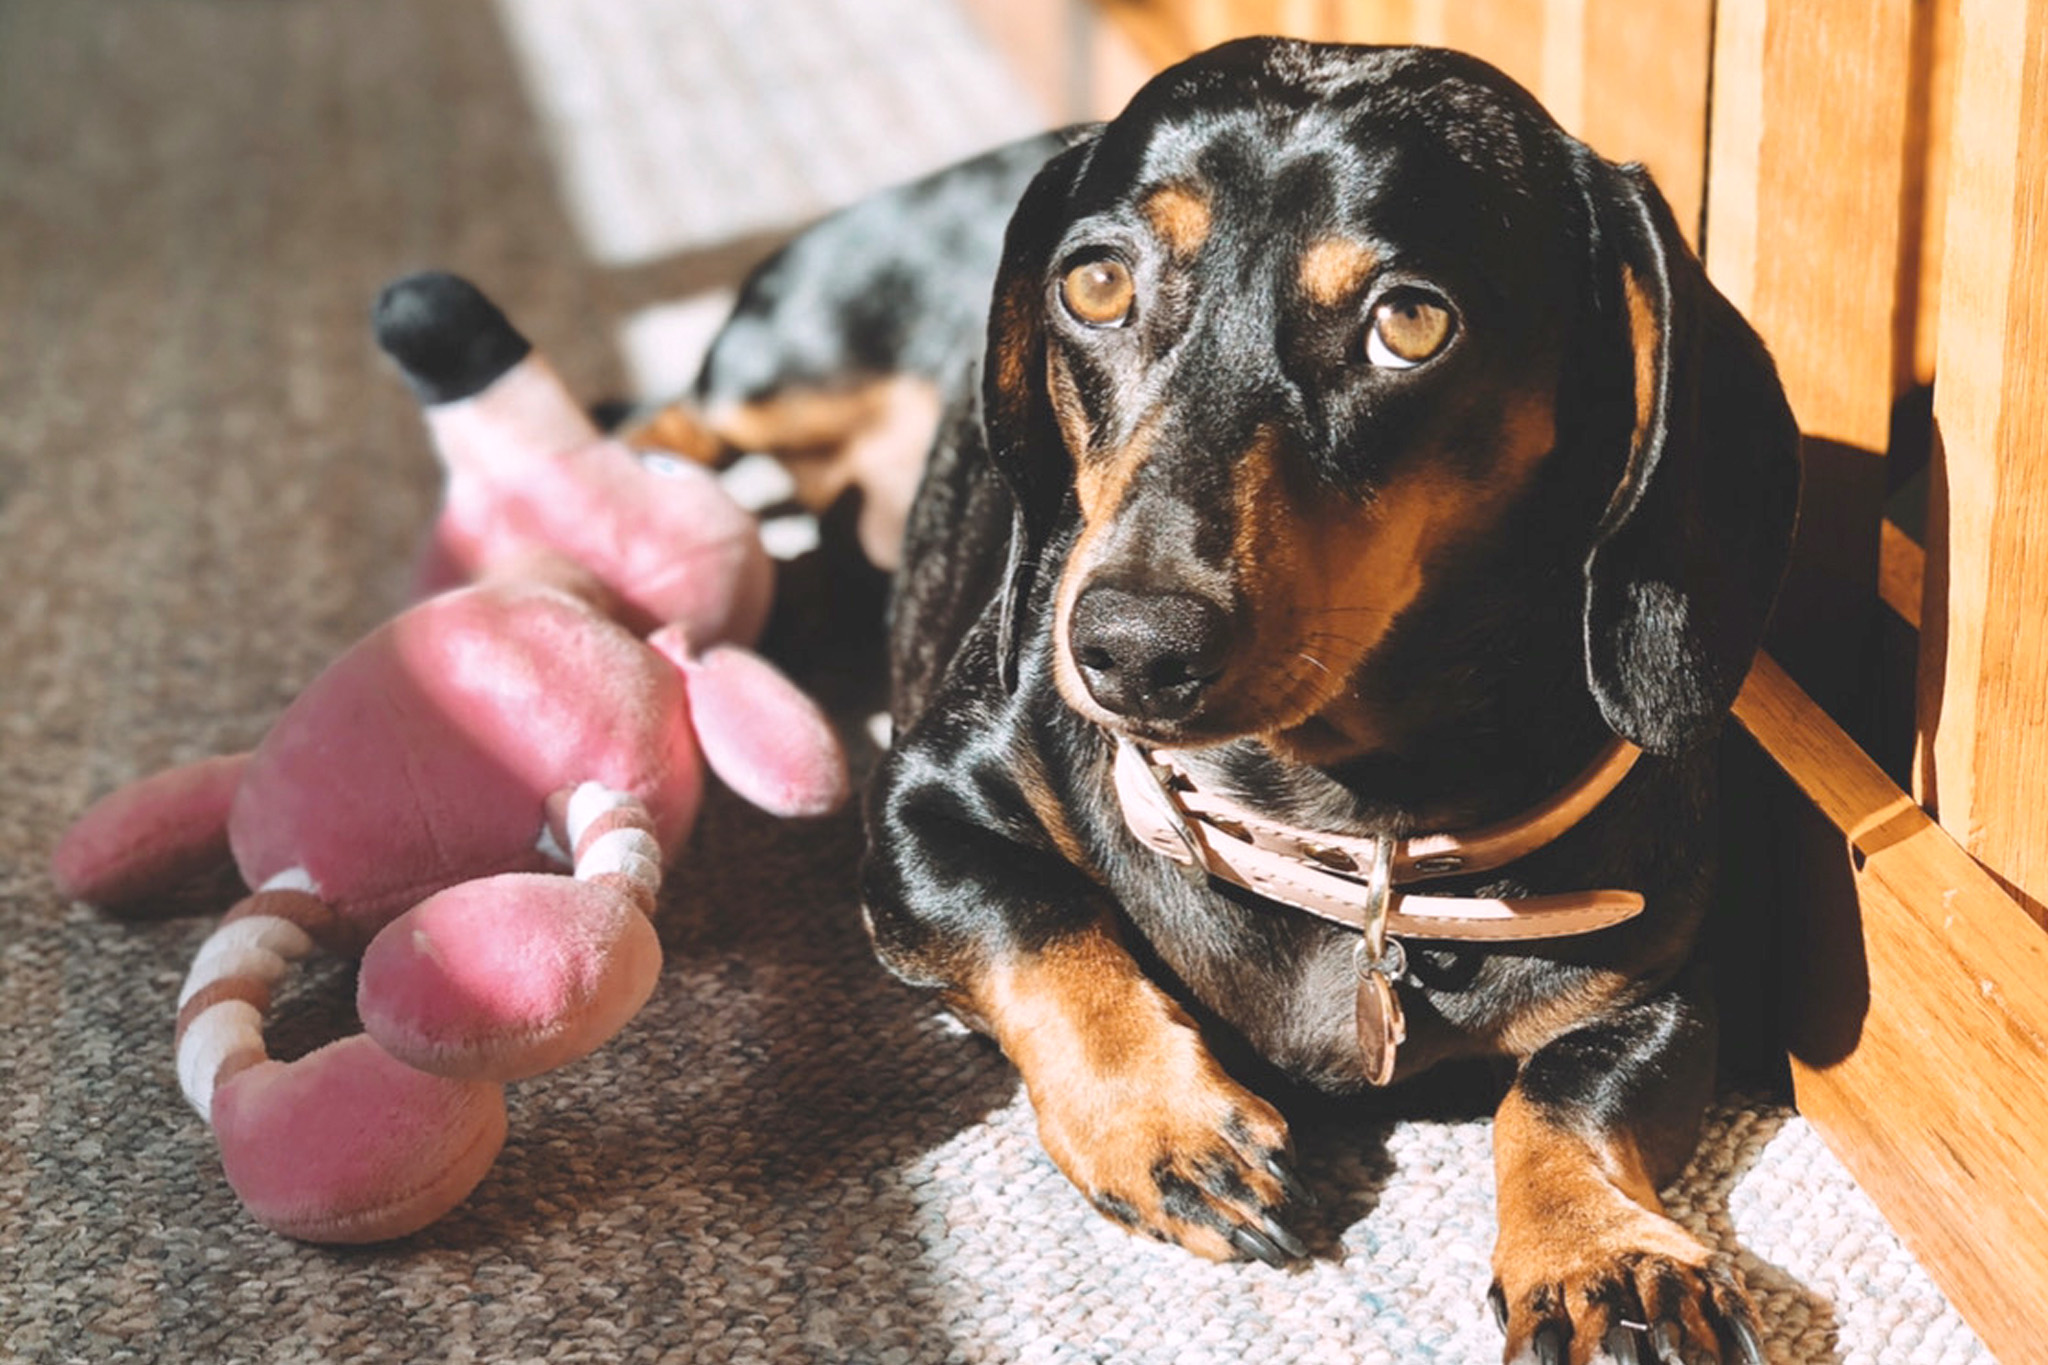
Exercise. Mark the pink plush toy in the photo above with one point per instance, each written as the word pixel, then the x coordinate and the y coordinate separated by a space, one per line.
pixel 418 802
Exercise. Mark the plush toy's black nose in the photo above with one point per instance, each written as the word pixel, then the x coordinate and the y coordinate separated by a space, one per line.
pixel 1148 655
pixel 450 341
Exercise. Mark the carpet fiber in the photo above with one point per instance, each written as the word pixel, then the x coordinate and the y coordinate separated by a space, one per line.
pixel 209 484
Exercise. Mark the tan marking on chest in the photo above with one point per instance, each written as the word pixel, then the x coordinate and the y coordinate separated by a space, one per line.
pixel 1550 1018
pixel 1028 769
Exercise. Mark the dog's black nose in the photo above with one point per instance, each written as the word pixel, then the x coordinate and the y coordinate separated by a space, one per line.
pixel 1148 655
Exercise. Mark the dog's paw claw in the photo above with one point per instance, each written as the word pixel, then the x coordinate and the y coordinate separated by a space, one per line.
pixel 1296 1249
pixel 1201 1164
pixel 1641 1308
pixel 1290 1184
pixel 1734 1320
pixel 1621 1344
pixel 1256 1246
pixel 1548 1346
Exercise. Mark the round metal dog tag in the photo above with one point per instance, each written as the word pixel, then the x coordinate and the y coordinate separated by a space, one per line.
pixel 1382 1028
pixel 1379 1026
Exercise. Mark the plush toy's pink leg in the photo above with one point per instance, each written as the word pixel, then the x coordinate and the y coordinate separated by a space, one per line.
pixel 764 737
pixel 345 1144
pixel 510 976
pixel 151 836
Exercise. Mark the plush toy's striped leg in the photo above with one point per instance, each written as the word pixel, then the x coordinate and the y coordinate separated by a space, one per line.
pixel 346 1144
pixel 228 990
pixel 613 836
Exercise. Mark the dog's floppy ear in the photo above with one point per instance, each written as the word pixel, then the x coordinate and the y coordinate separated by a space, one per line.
pixel 1024 442
pixel 1688 556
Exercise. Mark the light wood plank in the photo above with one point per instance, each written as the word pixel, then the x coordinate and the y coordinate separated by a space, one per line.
pixel 1508 33
pixel 1160 31
pixel 1810 148
pixel 1928 1075
pixel 1373 21
pixel 1901 572
pixel 1304 18
pixel 1645 93
pixel 1932 105
pixel 1983 760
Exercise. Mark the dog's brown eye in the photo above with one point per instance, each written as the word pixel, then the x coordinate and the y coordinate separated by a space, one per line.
pixel 1099 293
pixel 1408 327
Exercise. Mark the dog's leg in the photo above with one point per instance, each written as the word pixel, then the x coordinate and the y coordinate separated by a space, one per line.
pixel 872 437
pixel 1131 1104
pixel 1588 1267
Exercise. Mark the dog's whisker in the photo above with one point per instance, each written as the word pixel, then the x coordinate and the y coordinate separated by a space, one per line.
pixel 1350 610
pixel 1330 637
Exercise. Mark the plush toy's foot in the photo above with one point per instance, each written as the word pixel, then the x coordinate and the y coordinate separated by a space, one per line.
pixel 167 830
pixel 345 1144
pixel 508 977
pixel 513 975
pixel 348 1144
pixel 449 340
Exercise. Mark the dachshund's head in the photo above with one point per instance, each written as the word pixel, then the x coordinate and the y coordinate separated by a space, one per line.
pixel 1306 325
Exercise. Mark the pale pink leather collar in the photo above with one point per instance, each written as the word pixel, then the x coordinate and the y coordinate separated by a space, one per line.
pixel 1355 880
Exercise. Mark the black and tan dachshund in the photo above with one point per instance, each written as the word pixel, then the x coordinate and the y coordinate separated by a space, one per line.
pixel 1358 466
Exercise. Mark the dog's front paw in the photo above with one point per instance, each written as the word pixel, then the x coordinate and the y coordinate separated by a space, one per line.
pixel 1181 1154
pixel 1656 1299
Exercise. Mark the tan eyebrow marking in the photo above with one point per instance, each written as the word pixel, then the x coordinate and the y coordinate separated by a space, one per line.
pixel 1180 215
pixel 1333 268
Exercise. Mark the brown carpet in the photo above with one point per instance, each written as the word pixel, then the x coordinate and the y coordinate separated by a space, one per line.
pixel 209 484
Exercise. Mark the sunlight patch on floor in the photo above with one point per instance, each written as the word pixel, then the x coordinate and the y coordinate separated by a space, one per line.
pixel 677 125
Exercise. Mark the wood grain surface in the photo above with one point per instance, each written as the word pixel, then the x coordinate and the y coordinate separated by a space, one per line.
pixel 1984 650
pixel 1923 1063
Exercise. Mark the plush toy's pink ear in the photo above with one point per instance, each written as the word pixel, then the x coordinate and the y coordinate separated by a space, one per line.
pixel 150 837
pixel 760 733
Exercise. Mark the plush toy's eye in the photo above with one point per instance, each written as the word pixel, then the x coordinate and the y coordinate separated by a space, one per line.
pixel 1408 327
pixel 1099 293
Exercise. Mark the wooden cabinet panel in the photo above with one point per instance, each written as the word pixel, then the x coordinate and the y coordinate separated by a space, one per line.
pixel 1924 1059
pixel 1983 760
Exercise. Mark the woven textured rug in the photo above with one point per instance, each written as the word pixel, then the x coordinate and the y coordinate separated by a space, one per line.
pixel 209 484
